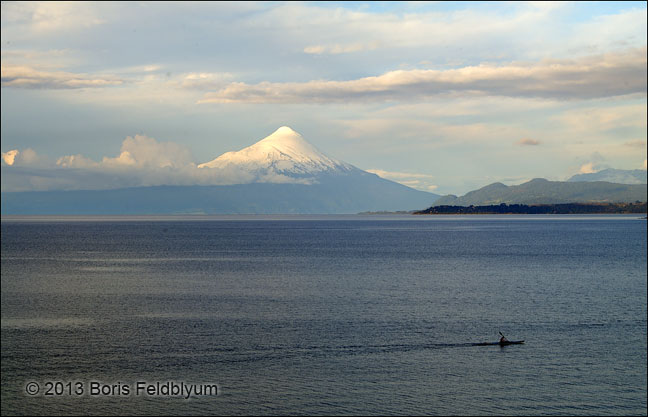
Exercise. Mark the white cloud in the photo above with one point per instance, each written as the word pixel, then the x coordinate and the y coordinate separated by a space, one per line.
pixel 27 77
pixel 585 78
pixel 76 161
pixel 42 17
pixel 137 152
pixel 528 142
pixel 205 80
pixel 423 182
pixel 609 32
pixel 25 157
pixel 9 157
pixel 369 30
pixel 644 166
pixel 341 49
pixel 588 168
pixel 48 60
pixel 506 29
pixel 145 152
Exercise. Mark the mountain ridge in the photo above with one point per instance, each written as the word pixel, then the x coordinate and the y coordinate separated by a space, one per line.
pixel 543 191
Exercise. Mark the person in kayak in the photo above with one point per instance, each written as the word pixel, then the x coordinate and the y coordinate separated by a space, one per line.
pixel 503 340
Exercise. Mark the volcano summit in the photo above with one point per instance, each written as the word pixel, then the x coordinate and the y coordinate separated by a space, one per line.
pixel 285 152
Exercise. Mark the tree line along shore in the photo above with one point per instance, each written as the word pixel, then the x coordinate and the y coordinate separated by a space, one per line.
pixel 567 208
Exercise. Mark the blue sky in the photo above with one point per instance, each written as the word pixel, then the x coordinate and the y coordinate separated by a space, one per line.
pixel 442 96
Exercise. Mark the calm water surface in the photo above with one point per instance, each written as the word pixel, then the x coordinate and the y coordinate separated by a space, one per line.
pixel 334 315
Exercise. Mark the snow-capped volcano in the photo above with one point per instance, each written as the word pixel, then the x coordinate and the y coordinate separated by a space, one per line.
pixel 283 154
pixel 282 173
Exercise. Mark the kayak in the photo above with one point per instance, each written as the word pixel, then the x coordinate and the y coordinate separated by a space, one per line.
pixel 518 342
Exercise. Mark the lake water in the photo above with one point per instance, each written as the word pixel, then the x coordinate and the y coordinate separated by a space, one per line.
pixel 331 315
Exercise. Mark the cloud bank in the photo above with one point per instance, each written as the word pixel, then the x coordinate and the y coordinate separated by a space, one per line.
pixel 142 161
pixel 137 151
pixel 608 75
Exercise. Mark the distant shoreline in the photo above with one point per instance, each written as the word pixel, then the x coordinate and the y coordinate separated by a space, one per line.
pixel 568 208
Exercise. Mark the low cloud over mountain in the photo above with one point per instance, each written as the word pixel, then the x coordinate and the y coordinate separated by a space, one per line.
pixel 143 161
pixel 282 173
pixel 621 176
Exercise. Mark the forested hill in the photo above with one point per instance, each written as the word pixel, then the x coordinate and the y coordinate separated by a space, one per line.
pixel 572 208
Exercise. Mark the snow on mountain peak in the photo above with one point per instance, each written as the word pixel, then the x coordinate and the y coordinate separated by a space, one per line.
pixel 285 130
pixel 290 143
pixel 283 153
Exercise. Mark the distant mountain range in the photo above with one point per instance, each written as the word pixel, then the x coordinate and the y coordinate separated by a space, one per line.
pixel 288 175
pixel 542 191
pixel 618 176
pixel 283 173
